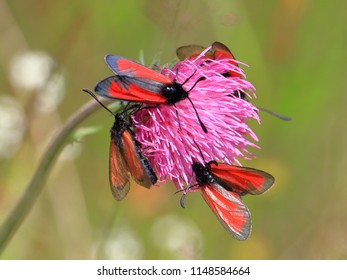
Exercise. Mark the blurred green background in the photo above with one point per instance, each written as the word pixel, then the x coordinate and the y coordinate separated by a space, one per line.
pixel 297 52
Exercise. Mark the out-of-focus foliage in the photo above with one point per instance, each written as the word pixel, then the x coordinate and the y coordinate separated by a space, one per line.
pixel 296 50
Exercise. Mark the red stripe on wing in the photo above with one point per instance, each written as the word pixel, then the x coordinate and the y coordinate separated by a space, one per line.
pixel 128 89
pixel 217 51
pixel 126 67
pixel 119 174
pixel 134 160
pixel 229 209
pixel 221 51
pixel 242 179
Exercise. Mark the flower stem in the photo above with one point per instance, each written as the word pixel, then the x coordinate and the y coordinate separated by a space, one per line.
pixel 36 184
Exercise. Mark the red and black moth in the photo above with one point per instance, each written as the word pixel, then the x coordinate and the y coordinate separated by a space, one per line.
pixel 138 83
pixel 222 186
pixel 220 51
pixel 216 52
pixel 125 158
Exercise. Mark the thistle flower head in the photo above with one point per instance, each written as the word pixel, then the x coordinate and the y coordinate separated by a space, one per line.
pixel 171 135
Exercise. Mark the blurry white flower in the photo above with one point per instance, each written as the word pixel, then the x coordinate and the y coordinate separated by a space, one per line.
pixel 51 94
pixel 71 152
pixel 178 236
pixel 123 245
pixel 30 71
pixel 33 71
pixel 12 126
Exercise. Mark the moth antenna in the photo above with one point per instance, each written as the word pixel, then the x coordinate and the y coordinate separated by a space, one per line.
pixel 281 117
pixel 189 79
pixel 196 112
pixel 183 196
pixel 186 190
pixel 197 115
pixel 180 191
pixel 201 154
pixel 182 200
pixel 191 102
pixel 97 100
pixel 196 82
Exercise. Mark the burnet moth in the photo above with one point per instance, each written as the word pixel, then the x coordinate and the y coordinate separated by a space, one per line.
pixel 216 52
pixel 138 83
pixel 125 158
pixel 222 186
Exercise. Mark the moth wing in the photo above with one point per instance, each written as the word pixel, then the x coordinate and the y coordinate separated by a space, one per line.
pixel 189 51
pixel 131 89
pixel 119 174
pixel 137 163
pixel 243 180
pixel 231 212
pixel 128 68
pixel 221 51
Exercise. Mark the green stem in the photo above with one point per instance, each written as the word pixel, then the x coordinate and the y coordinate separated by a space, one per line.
pixel 35 186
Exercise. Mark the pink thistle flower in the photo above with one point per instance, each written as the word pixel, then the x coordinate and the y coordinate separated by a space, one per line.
pixel 171 136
